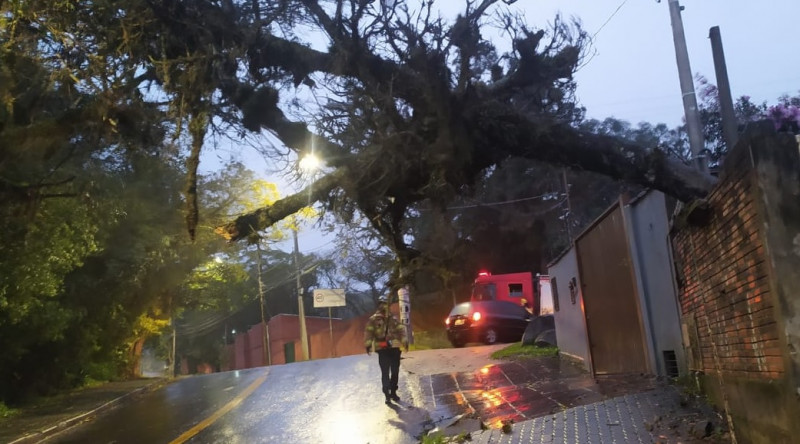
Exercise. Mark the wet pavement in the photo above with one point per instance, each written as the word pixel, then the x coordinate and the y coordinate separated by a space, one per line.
pixel 450 391
pixel 520 390
pixel 61 412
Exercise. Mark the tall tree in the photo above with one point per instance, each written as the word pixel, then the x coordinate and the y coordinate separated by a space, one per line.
pixel 414 108
pixel 785 114
pixel 422 107
pixel 417 106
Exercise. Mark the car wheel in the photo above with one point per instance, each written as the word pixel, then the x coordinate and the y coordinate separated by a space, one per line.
pixel 490 336
pixel 457 344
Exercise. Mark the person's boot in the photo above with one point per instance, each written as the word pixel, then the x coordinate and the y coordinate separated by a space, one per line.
pixel 388 398
pixel 393 395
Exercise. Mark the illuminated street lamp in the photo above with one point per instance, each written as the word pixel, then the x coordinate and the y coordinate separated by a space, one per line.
pixel 308 163
pixel 301 313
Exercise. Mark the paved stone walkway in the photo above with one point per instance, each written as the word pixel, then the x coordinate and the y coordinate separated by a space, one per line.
pixel 625 419
pixel 547 400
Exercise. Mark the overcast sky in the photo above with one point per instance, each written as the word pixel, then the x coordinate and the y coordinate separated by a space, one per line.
pixel 634 76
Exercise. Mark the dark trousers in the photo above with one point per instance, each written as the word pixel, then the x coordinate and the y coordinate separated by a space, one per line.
pixel 389 360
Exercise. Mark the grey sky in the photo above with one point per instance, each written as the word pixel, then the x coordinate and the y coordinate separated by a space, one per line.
pixel 633 75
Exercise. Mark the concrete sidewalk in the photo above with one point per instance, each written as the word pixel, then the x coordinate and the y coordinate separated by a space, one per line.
pixel 51 415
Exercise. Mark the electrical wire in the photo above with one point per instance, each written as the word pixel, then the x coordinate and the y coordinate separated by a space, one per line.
pixel 609 19
pixel 491 204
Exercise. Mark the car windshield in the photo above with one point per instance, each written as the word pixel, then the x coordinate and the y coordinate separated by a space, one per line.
pixel 460 309
pixel 484 292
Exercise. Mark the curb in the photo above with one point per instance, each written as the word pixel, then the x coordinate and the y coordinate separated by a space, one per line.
pixel 85 417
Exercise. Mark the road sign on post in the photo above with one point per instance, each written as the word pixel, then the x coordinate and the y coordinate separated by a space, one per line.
pixel 329 297
pixel 404 301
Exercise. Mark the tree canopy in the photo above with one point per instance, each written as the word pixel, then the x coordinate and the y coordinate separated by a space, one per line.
pixel 107 107
pixel 417 107
pixel 413 106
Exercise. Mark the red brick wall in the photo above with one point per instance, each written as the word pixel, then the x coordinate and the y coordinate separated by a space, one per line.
pixel 725 287
pixel 247 350
pixel 738 272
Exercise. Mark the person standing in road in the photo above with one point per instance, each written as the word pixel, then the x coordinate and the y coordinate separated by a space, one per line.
pixel 385 334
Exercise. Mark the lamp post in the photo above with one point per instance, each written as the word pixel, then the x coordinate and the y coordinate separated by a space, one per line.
pixel 308 163
pixel 301 313
pixel 265 336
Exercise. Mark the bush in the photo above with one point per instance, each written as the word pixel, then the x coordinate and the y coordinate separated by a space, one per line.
pixel 7 412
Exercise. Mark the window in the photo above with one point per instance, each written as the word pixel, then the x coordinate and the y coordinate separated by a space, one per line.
pixel 515 290
pixel 484 292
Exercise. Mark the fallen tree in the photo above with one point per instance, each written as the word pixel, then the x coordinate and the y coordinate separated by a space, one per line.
pixel 422 108
pixel 411 107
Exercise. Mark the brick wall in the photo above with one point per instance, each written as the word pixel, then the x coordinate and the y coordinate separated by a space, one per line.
pixel 725 286
pixel 737 262
pixel 247 351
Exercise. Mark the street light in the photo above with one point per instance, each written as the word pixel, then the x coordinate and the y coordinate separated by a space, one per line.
pixel 301 313
pixel 308 163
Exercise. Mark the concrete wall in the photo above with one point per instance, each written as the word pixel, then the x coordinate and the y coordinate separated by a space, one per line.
pixel 647 224
pixel 739 273
pixel 570 318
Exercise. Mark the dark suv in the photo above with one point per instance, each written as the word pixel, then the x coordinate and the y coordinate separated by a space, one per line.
pixel 487 322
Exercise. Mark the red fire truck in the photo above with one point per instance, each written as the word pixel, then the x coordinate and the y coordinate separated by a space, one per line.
pixel 525 289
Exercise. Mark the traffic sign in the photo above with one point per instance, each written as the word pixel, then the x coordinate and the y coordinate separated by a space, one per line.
pixel 329 297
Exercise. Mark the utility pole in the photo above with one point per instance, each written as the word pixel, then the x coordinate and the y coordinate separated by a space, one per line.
pixel 265 336
pixel 693 126
pixel 174 343
pixel 301 313
pixel 729 131
pixel 568 216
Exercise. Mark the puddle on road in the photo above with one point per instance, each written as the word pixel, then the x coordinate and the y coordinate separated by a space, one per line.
pixel 521 390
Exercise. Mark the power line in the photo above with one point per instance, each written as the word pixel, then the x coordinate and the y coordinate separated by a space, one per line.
pixel 490 204
pixel 609 18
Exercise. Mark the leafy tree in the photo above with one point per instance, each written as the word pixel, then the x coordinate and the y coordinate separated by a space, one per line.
pixel 414 112
pixel 409 91
pixel 421 108
pixel 785 115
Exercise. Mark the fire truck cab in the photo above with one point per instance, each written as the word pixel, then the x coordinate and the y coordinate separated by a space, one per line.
pixel 524 289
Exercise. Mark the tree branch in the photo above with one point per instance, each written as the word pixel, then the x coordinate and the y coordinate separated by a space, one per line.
pixel 548 141
pixel 265 217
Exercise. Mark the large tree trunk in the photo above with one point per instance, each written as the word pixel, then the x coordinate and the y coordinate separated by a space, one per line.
pixel 135 359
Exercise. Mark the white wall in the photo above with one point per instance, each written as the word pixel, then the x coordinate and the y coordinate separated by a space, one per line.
pixel 570 319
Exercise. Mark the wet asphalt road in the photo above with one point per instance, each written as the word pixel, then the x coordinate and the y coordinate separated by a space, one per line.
pixel 339 400
pixel 327 401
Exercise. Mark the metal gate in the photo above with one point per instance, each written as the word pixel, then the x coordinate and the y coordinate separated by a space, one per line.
pixel 611 305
